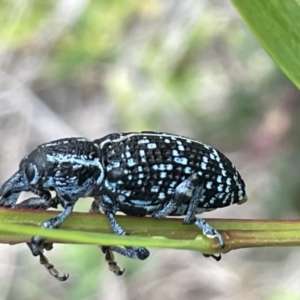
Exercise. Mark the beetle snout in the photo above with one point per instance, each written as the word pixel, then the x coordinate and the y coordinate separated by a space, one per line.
pixel 11 189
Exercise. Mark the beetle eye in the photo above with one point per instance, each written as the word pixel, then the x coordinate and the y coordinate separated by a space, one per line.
pixel 30 172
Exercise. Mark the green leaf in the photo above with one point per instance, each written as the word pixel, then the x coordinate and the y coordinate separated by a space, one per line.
pixel 275 23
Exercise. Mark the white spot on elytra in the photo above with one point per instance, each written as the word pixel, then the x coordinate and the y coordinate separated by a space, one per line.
pixel 169 167
pixel 161 196
pixel 180 148
pixel 221 195
pixel 163 175
pixel 218 159
pixel 219 178
pixel 181 160
pixel 167 141
pixel 173 184
pixel 151 146
pixel 131 162
pixel 162 167
pixel 188 170
pixel 212 200
pixel 175 153
pixel 142 153
pixel 143 141
pixel 203 166
pixel 220 187
pixel 228 181
pixel 170 191
pixel 155 189
pixel 209 185
pixel 205 159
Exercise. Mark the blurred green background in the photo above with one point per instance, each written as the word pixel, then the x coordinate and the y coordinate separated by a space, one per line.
pixel 88 68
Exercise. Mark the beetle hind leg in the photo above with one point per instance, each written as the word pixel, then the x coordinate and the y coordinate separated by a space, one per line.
pixel 210 232
pixel 190 191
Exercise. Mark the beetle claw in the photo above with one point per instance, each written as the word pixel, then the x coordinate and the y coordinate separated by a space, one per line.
pixel 50 268
pixel 110 259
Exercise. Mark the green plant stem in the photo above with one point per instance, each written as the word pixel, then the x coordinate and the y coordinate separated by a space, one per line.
pixel 17 226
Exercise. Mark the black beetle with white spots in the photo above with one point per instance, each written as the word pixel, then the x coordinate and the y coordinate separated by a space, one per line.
pixel 137 173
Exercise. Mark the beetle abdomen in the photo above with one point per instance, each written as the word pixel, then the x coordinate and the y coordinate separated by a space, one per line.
pixel 149 166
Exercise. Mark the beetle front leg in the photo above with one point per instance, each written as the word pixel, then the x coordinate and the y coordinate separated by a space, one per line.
pixel 37 244
pixel 44 201
pixel 37 203
pixel 37 241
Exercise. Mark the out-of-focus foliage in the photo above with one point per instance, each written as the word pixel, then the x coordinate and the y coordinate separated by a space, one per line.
pixel 191 67
pixel 276 25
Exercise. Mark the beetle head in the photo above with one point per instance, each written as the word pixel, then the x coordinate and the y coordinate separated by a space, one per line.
pixel 32 167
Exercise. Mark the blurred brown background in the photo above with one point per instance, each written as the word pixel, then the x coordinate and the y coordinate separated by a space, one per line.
pixel 88 68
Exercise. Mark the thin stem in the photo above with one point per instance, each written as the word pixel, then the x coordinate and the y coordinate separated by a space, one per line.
pixel 18 225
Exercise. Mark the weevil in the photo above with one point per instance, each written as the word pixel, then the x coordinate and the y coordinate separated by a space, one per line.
pixel 138 173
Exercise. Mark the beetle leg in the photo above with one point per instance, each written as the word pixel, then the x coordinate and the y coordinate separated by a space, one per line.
pixel 109 256
pixel 37 203
pixel 131 252
pixel 217 257
pixel 209 231
pixel 95 206
pixel 110 259
pixel 183 194
pixel 190 191
pixel 37 244
pixel 50 268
